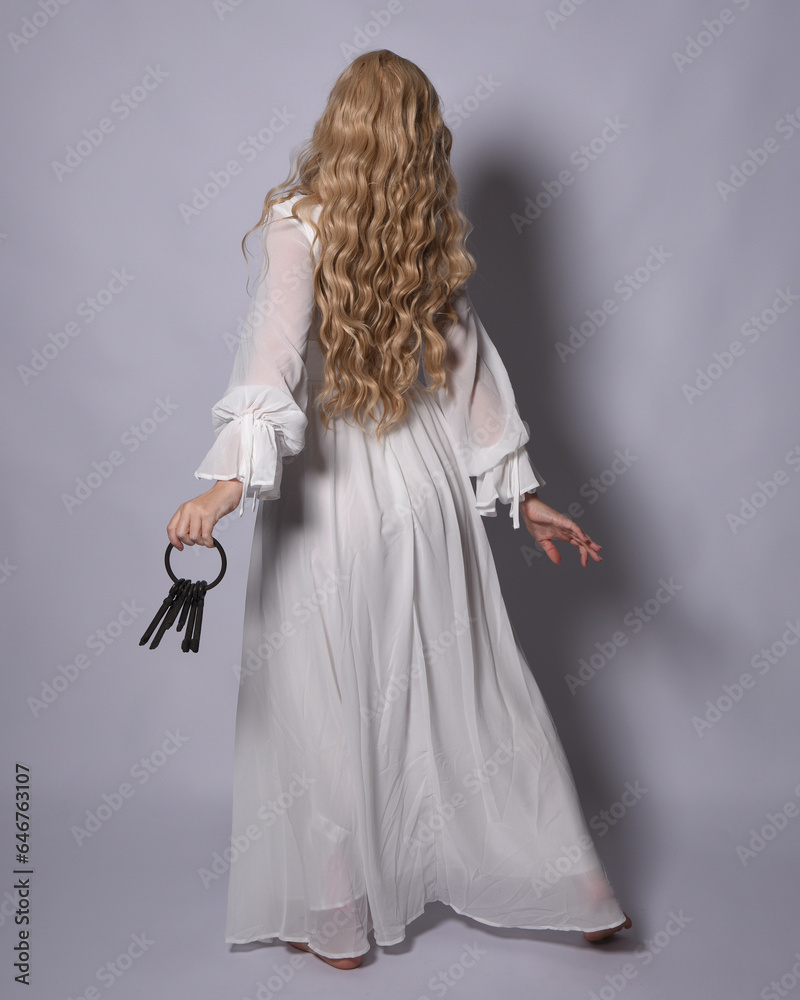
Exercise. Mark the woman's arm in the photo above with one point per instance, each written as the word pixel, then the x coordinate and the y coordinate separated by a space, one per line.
pixel 481 411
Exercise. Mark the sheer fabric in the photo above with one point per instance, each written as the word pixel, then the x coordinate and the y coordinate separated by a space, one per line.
pixel 261 419
pixel 483 417
pixel 392 746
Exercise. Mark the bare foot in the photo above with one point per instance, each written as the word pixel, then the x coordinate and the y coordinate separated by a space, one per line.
pixel 337 963
pixel 607 932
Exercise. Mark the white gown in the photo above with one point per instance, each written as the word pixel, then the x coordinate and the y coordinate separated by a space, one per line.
pixel 392 746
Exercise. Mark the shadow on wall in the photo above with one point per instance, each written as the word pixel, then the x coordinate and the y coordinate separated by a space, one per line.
pixel 549 605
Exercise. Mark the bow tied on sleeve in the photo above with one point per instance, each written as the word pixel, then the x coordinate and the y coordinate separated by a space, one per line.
pixel 256 426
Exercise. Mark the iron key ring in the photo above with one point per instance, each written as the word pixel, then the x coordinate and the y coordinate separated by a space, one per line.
pixel 185 602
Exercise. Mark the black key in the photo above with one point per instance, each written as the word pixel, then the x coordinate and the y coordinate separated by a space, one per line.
pixel 198 622
pixel 165 605
pixel 187 639
pixel 172 613
pixel 185 609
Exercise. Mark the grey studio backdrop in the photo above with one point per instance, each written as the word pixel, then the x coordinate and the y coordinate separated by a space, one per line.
pixel 631 173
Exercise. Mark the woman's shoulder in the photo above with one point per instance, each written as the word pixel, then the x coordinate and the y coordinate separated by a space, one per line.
pixel 285 205
pixel 304 216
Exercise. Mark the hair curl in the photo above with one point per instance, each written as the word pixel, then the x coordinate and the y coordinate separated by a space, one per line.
pixel 392 239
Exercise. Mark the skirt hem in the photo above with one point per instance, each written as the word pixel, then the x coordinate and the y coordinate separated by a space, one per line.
pixel 250 938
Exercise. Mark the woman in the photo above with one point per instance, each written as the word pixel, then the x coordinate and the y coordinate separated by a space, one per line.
pixel 392 746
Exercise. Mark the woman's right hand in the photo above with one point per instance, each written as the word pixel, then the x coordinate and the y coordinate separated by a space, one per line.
pixel 193 521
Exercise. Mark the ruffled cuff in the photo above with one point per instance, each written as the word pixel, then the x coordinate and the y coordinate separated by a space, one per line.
pixel 507 482
pixel 256 426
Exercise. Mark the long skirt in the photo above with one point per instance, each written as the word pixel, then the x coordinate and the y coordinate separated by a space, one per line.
pixel 392 746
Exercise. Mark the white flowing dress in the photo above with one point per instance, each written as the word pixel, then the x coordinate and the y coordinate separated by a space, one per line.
pixel 392 746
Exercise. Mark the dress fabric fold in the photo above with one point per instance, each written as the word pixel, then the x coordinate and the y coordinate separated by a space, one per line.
pixel 256 427
pixel 392 746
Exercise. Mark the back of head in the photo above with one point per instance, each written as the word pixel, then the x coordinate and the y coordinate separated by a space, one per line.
pixel 391 237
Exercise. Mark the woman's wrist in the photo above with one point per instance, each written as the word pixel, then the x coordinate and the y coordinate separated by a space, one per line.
pixel 227 484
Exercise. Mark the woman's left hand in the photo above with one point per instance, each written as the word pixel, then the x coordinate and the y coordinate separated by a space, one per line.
pixel 546 524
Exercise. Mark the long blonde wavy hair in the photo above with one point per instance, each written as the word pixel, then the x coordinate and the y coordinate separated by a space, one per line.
pixel 391 236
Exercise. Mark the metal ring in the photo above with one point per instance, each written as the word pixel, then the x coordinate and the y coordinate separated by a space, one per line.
pixel 222 556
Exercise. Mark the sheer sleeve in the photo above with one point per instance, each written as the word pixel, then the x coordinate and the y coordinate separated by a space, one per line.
pixel 261 419
pixel 483 417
